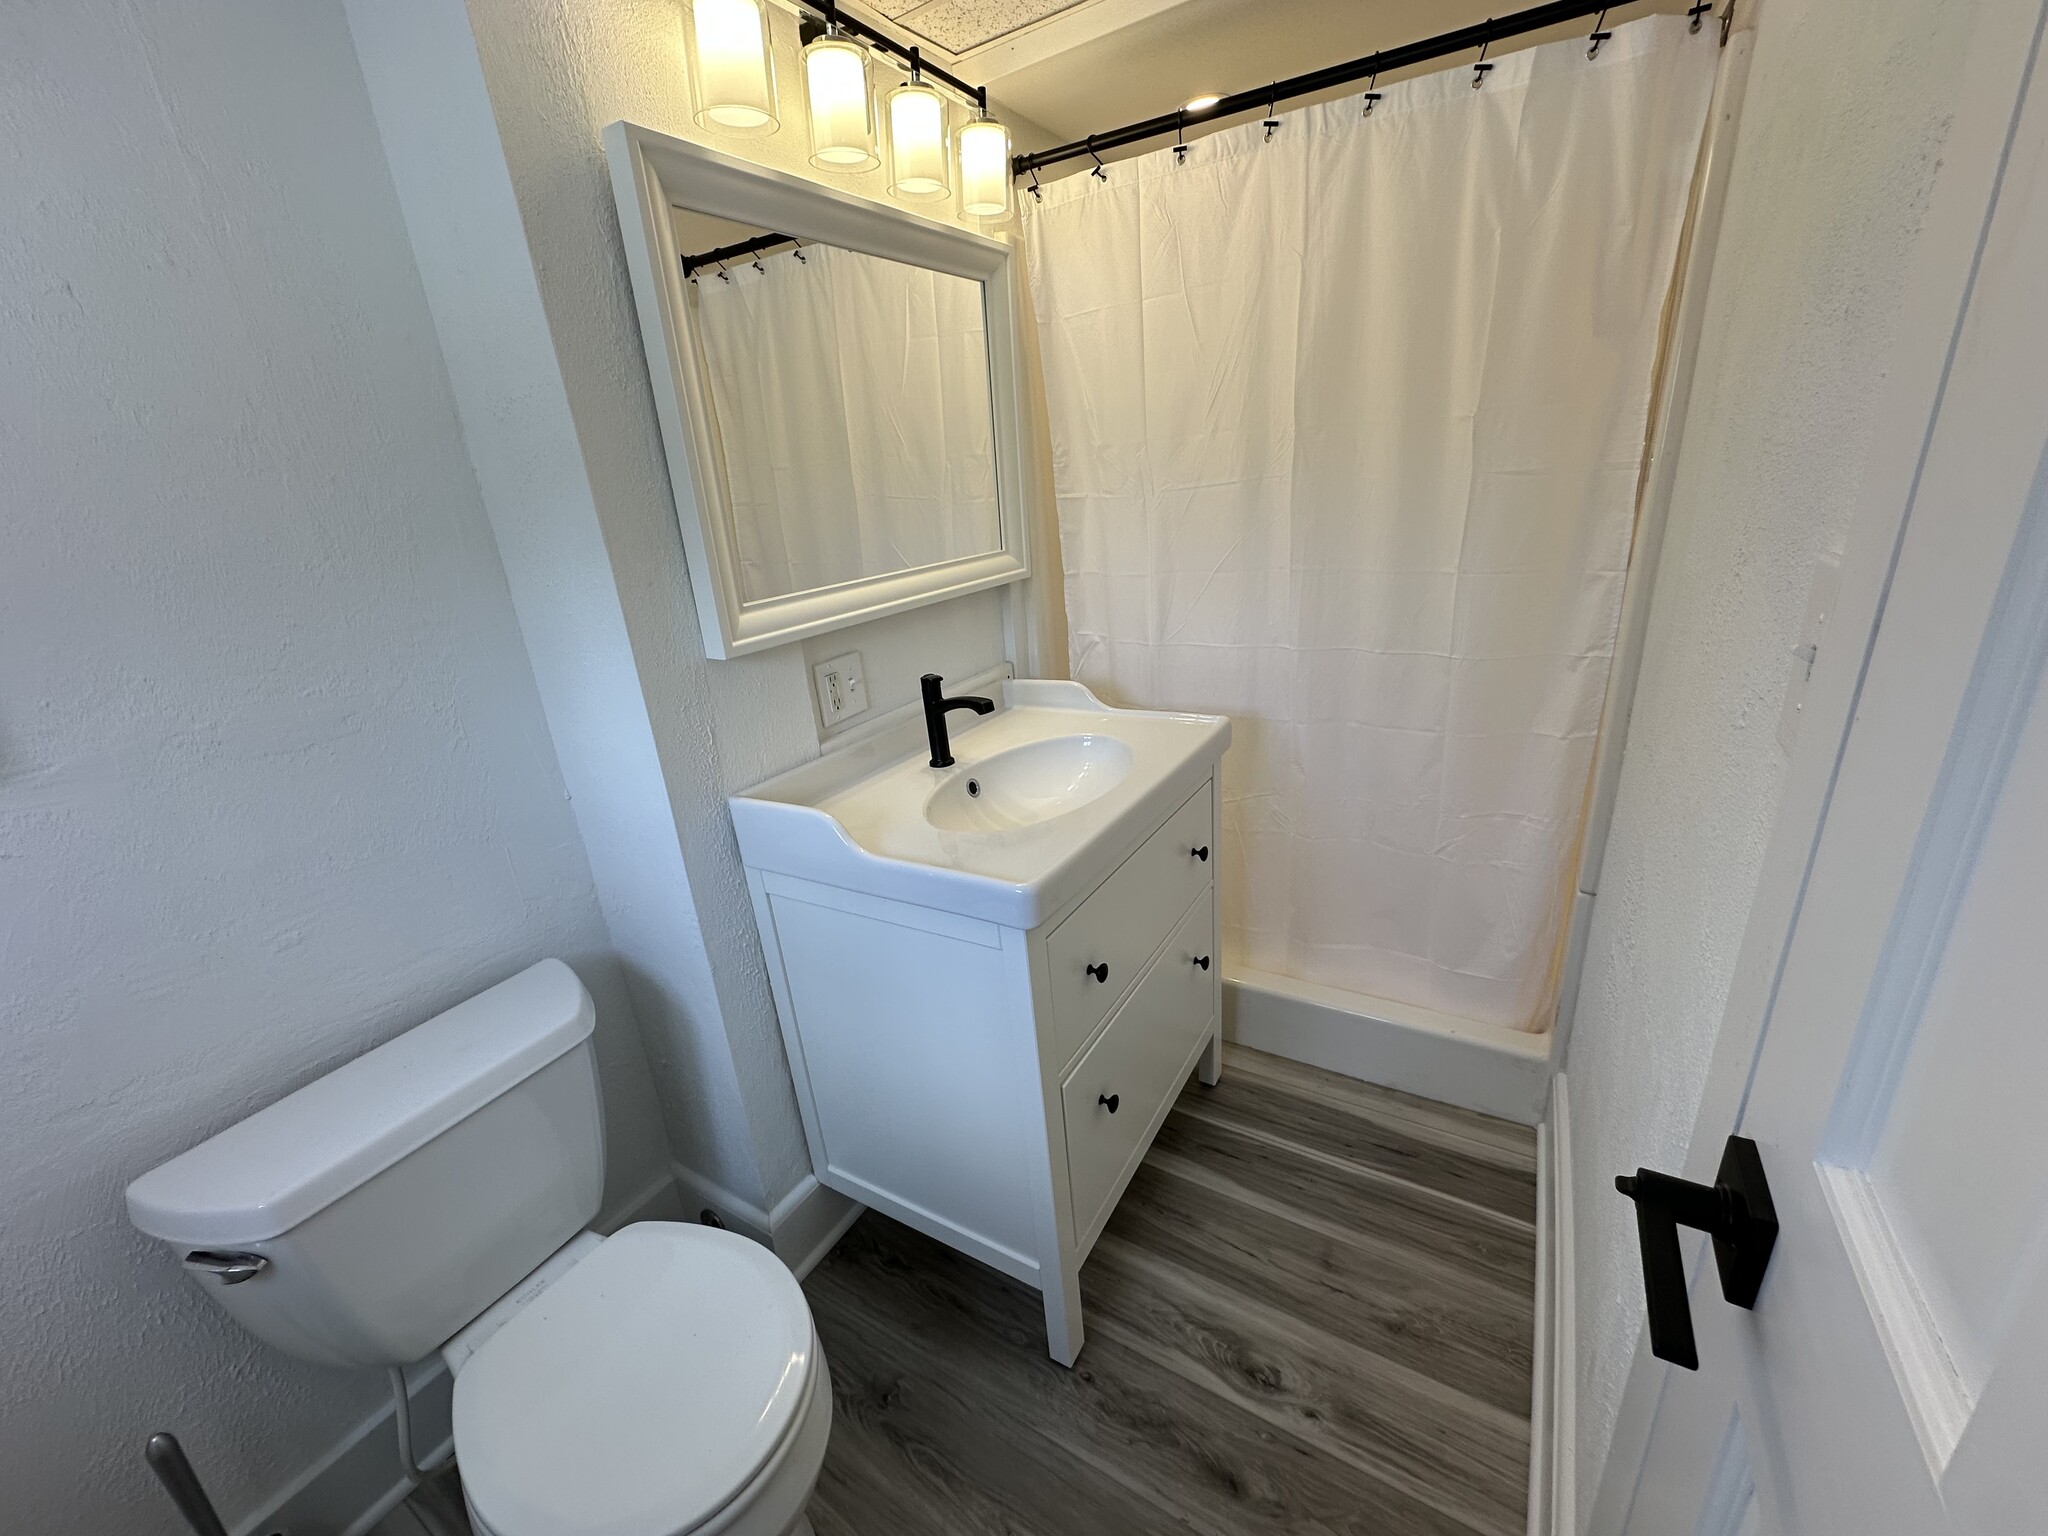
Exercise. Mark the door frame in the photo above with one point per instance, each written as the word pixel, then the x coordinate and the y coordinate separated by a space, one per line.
pixel 1930 327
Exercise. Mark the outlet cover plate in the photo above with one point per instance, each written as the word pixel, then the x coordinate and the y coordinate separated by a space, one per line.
pixel 842 688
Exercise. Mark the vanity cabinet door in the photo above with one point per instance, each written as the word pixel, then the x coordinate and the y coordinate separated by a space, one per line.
pixel 1120 1090
pixel 1097 953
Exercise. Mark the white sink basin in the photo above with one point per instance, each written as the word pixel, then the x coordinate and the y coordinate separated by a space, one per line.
pixel 1027 784
pixel 1062 787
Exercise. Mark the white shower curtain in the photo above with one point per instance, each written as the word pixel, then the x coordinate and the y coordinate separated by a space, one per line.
pixel 1347 427
pixel 852 403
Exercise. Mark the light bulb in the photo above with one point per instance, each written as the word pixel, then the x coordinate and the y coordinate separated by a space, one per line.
pixel 917 142
pixel 735 70
pixel 842 115
pixel 985 169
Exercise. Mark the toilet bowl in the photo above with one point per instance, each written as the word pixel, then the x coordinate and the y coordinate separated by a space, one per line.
pixel 670 1381
pixel 434 1193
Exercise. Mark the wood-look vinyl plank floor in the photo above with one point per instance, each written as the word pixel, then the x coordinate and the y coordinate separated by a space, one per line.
pixel 1371 1142
pixel 1480 1246
pixel 1442 1125
pixel 1312 1312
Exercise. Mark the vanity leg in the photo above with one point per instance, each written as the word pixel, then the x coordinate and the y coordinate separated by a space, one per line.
pixel 1063 1335
pixel 1210 1068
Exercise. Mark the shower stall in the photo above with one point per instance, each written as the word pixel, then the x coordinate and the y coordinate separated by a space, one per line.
pixel 1354 417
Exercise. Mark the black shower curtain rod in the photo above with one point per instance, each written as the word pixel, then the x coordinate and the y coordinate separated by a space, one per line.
pixel 1492 30
pixel 759 245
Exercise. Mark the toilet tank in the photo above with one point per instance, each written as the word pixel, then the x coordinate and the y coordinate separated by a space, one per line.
pixel 385 1205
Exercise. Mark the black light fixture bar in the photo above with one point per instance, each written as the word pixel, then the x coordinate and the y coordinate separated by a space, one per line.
pixel 826 13
pixel 1493 30
pixel 692 265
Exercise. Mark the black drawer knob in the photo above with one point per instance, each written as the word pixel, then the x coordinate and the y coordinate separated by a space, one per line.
pixel 1100 972
pixel 1109 1101
pixel 1201 853
pixel 1202 961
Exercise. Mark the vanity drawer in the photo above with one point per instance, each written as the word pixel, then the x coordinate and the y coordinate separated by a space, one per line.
pixel 1118 927
pixel 1140 1061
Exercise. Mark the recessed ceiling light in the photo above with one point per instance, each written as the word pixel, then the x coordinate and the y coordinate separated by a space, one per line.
pixel 1200 103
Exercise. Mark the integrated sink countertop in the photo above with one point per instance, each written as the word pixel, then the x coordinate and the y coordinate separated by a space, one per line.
pixel 1041 795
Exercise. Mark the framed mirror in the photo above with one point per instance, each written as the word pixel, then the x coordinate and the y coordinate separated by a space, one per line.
pixel 838 388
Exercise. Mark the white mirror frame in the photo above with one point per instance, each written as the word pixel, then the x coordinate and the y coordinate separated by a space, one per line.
pixel 651 173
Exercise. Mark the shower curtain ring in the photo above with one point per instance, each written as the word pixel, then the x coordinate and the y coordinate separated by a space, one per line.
pixel 723 275
pixel 1180 137
pixel 1037 193
pixel 1598 36
pixel 1372 95
pixel 1479 69
pixel 796 249
pixel 1098 173
pixel 1699 12
pixel 1272 107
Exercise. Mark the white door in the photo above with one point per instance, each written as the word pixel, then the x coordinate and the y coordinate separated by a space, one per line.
pixel 1893 1377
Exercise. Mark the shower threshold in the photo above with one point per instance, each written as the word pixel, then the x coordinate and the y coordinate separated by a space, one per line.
pixel 1484 1067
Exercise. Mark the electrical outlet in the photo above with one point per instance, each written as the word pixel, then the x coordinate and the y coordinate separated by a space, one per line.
pixel 842 690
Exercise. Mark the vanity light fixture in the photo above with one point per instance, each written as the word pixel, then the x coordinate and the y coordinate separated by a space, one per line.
pixel 1199 103
pixel 918 168
pixel 842 106
pixel 984 166
pixel 733 67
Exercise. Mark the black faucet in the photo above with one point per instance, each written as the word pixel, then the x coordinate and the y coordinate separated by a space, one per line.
pixel 935 706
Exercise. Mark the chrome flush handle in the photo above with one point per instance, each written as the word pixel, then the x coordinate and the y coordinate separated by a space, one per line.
pixel 227 1268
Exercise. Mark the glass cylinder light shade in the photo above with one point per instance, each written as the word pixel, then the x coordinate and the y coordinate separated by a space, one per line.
pixel 985 169
pixel 918 166
pixel 735 73
pixel 842 108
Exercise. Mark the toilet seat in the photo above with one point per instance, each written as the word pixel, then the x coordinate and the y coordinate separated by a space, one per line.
pixel 649 1391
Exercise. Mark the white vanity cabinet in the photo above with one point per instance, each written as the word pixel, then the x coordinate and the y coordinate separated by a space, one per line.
pixel 996 1086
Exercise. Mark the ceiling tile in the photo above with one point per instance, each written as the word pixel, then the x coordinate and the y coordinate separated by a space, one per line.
pixel 958 25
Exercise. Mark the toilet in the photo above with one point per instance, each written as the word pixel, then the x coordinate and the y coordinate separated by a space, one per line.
pixel 434 1194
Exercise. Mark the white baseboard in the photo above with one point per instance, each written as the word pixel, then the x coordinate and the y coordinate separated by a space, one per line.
pixel 801 1229
pixel 358 1482
pixel 1553 1483
pixel 1504 1072
pixel 701 1194
pixel 807 1221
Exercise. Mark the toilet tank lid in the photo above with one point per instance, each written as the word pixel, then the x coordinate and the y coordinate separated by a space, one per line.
pixel 262 1176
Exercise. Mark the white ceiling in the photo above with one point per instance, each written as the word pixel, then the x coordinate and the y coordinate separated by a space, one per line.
pixel 960 26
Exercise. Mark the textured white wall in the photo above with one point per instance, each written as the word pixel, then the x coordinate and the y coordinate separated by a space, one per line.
pixel 1841 133
pixel 570 575
pixel 492 117
pixel 274 778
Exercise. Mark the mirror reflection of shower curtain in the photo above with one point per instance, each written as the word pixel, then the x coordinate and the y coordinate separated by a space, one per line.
pixel 1347 428
pixel 851 396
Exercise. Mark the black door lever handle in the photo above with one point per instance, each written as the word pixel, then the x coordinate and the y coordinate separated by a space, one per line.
pixel 1735 1210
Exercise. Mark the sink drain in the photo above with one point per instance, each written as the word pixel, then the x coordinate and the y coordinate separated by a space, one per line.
pixel 974 787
